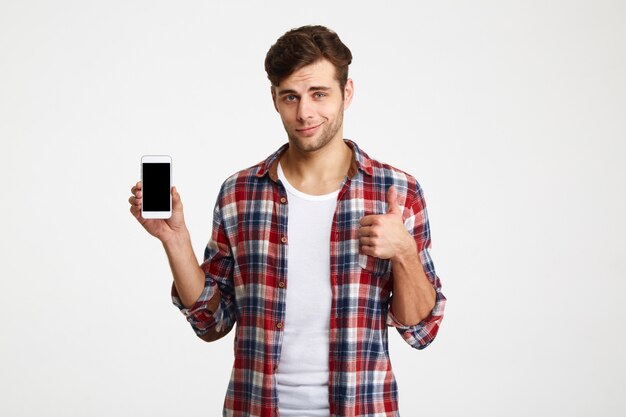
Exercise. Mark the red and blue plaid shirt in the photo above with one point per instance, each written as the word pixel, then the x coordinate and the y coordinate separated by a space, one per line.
pixel 246 261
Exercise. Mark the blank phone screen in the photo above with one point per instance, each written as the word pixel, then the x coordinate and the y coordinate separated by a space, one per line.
pixel 156 187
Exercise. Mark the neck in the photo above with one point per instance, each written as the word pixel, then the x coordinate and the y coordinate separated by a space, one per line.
pixel 318 172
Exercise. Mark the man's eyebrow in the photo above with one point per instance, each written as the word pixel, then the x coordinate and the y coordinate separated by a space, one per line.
pixel 287 91
pixel 313 88
pixel 318 88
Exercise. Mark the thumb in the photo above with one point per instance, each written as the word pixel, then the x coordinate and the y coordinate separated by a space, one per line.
pixel 392 201
pixel 177 204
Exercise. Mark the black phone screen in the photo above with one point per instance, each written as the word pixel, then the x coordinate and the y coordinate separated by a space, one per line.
pixel 156 186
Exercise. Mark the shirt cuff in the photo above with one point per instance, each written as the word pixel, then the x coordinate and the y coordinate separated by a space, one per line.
pixel 392 320
pixel 200 304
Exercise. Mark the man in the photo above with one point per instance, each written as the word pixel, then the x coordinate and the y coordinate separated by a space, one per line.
pixel 307 248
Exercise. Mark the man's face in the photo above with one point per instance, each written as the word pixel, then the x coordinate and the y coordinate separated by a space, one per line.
pixel 311 106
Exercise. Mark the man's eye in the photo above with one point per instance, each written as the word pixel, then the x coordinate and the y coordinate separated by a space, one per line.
pixel 320 95
pixel 290 97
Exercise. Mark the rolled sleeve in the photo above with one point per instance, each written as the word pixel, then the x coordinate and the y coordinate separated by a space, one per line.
pixel 217 267
pixel 422 334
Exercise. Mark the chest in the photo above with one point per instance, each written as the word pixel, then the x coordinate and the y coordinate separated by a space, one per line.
pixel 268 220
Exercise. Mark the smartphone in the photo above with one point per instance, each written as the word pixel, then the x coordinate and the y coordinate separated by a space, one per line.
pixel 156 185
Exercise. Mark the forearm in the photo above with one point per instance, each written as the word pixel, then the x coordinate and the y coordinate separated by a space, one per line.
pixel 413 294
pixel 188 276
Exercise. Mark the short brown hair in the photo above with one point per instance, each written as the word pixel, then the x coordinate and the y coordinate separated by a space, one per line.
pixel 304 46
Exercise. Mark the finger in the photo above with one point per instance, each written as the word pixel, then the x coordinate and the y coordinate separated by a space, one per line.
pixel 392 200
pixel 135 201
pixel 367 231
pixel 136 187
pixel 368 220
pixel 367 250
pixel 367 241
pixel 136 211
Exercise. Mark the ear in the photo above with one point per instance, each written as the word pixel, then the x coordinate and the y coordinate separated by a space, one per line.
pixel 273 91
pixel 348 93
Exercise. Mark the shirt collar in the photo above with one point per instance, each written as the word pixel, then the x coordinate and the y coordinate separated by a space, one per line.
pixel 360 160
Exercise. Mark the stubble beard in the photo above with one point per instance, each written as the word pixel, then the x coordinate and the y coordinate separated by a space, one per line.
pixel 325 136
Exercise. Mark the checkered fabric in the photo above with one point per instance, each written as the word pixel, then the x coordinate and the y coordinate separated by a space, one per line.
pixel 246 261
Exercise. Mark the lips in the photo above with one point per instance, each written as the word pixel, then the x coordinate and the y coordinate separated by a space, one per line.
pixel 308 131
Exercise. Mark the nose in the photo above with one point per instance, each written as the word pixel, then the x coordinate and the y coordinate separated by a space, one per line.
pixel 305 110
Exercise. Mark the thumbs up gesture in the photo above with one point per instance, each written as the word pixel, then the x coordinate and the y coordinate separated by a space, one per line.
pixel 383 235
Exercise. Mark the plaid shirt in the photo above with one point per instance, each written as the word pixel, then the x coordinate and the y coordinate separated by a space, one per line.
pixel 246 261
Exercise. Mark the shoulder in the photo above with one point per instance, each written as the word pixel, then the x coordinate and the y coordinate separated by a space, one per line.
pixel 250 178
pixel 238 185
pixel 393 174
pixel 244 176
pixel 384 175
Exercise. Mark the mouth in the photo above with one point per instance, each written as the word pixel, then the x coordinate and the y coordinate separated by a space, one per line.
pixel 308 131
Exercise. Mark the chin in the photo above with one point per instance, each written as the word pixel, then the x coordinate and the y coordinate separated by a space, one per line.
pixel 311 144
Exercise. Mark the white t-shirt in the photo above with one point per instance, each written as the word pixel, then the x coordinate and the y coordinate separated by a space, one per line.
pixel 302 374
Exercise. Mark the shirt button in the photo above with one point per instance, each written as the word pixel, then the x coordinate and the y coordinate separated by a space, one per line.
pixel 279 325
pixel 283 239
pixel 283 200
pixel 281 284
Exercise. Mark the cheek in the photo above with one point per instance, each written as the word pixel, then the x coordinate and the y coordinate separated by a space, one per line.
pixel 326 111
pixel 286 114
pixel 334 108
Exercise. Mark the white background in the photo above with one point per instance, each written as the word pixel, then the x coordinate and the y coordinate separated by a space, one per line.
pixel 511 115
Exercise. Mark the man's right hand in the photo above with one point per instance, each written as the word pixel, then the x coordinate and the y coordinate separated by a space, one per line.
pixel 162 229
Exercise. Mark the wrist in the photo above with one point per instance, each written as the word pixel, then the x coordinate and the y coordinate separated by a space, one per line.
pixel 407 254
pixel 177 241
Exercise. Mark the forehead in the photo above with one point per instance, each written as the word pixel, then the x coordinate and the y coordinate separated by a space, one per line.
pixel 320 73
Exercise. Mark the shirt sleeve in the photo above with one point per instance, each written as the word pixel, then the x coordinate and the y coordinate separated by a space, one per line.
pixel 212 324
pixel 422 334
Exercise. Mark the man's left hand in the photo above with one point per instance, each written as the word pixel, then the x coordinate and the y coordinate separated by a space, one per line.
pixel 384 235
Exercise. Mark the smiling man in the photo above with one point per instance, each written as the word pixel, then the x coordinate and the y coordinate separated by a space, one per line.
pixel 316 119
pixel 315 251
